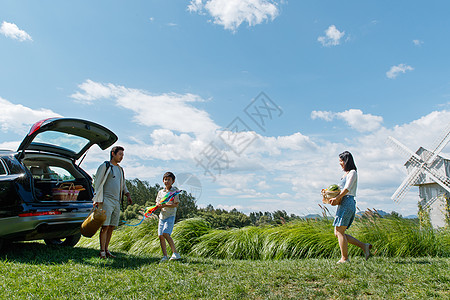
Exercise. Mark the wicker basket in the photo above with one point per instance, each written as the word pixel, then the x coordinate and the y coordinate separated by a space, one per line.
pixel 327 195
pixel 66 192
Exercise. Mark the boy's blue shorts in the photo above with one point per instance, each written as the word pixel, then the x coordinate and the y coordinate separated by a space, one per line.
pixel 166 225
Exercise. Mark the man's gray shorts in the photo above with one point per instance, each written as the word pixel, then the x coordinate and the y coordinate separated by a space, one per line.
pixel 112 210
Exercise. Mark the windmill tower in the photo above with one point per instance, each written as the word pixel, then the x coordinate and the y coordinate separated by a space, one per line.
pixel 431 173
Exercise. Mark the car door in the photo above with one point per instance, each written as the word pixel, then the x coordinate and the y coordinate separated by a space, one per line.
pixel 9 193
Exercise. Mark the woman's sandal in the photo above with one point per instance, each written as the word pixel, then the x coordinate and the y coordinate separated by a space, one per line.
pixel 109 254
pixel 102 254
pixel 367 248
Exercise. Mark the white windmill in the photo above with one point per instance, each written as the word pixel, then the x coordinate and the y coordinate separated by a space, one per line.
pixel 431 173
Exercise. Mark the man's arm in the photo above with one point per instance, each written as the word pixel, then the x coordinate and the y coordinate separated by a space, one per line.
pixel 124 187
pixel 99 176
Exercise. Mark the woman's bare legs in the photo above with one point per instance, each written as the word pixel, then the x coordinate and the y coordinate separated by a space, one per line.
pixel 344 239
pixel 339 232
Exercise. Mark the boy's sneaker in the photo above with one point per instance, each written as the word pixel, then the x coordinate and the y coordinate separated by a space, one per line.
pixel 175 256
pixel 164 259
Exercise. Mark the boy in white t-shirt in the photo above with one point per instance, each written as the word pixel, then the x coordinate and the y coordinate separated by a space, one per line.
pixel 167 217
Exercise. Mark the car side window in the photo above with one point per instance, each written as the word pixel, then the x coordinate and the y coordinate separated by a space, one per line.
pixel 14 166
pixel 2 168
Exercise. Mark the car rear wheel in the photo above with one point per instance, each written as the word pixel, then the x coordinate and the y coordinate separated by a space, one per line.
pixel 69 241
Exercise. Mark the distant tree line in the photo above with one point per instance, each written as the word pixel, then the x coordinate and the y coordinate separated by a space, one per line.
pixel 144 195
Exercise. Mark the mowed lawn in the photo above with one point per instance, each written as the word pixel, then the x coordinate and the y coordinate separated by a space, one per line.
pixel 36 271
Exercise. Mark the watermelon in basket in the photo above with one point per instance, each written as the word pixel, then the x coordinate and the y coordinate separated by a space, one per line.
pixel 67 192
pixel 331 192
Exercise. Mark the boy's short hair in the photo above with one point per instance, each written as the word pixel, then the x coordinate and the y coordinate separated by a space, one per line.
pixel 114 150
pixel 169 174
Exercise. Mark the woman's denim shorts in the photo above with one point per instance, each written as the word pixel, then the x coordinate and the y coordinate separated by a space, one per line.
pixel 345 213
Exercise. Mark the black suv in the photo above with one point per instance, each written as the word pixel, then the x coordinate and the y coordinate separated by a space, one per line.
pixel 29 208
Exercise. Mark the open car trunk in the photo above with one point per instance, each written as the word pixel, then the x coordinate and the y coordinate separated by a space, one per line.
pixel 53 175
pixel 70 138
pixel 49 152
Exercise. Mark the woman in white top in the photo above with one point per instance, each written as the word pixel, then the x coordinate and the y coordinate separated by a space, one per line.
pixel 345 213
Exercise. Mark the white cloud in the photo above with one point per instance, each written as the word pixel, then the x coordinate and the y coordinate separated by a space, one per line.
pixel 12 31
pixel 355 118
pixel 232 13
pixel 284 195
pixel 396 70
pixel 18 118
pixel 229 207
pixel 169 111
pixel 10 145
pixel 332 37
pixel 276 145
pixel 93 91
pixel 418 42
pixel 324 115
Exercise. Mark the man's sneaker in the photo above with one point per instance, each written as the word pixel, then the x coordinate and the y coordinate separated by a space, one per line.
pixel 164 259
pixel 175 256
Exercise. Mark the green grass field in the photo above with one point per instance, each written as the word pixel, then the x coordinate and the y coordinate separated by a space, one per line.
pixel 36 271
pixel 296 260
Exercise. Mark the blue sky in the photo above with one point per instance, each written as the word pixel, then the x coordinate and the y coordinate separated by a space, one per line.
pixel 169 77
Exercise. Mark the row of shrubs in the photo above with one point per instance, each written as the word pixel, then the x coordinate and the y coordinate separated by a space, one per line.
pixel 391 237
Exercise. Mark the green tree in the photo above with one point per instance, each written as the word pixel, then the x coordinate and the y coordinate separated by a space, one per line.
pixel 220 218
pixel 187 208
pixel 142 193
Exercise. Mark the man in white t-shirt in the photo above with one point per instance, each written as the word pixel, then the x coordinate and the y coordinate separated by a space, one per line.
pixel 109 189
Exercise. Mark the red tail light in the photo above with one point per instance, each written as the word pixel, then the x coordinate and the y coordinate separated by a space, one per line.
pixel 38 125
pixel 42 213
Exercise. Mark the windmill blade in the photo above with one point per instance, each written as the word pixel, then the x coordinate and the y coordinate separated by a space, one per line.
pixel 430 202
pixel 403 148
pixel 404 187
pixel 442 142
pixel 437 178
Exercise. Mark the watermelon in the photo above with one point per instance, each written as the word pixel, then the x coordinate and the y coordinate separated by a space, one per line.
pixel 333 187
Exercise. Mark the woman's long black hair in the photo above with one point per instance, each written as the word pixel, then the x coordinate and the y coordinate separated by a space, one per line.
pixel 349 163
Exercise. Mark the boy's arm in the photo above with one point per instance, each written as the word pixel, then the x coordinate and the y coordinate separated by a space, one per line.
pixel 158 199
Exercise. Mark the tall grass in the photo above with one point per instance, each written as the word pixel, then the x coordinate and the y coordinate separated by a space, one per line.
pixel 187 233
pixel 242 243
pixel 300 239
pixel 391 237
pixel 398 237
pixel 143 239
